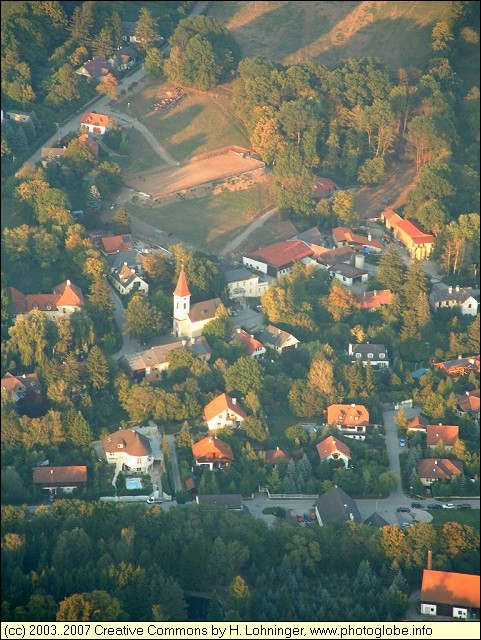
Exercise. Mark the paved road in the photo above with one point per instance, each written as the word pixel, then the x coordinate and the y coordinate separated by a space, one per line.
pixel 174 463
pixel 129 345
pixel 230 246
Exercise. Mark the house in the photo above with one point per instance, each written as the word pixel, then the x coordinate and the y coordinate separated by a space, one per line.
pixel 460 299
pixel 277 259
pixel 251 346
pixel 445 593
pixel 376 521
pixel 441 434
pixel 418 423
pixel 20 116
pixel 95 122
pixel 242 283
pixel 230 501
pixel 278 339
pixel 323 188
pixel 460 367
pixel 348 275
pixel 213 453
pixel 277 456
pixel 372 300
pixel 126 280
pixel 468 404
pixel 432 469
pixel 223 411
pixel 65 300
pixel 21 386
pixel 336 506
pixel 48 154
pixel 128 449
pixel 95 69
pixel 115 244
pixel 123 58
pixel 128 31
pixel 329 258
pixel 313 238
pixel 376 354
pixel 418 243
pixel 149 364
pixel 345 237
pixel 350 419
pixel 91 144
pixel 131 257
pixel 333 449
pixel 65 479
pixel 190 320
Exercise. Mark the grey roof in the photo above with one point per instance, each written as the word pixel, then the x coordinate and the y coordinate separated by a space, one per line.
pixel 119 276
pixel 311 236
pixel 377 521
pixel 444 295
pixel 347 270
pixel 364 349
pixel 229 501
pixel 98 66
pixel 236 275
pixel 130 256
pixel 158 354
pixel 336 256
pixel 128 28
pixel 204 310
pixel 335 504
pixel 119 54
pixel 274 336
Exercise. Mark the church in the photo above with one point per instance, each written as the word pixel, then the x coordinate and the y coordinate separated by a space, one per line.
pixel 190 320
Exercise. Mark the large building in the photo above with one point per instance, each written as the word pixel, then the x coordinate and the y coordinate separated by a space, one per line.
pixel 65 299
pixel 277 259
pixel 190 320
pixel 242 283
pixel 223 411
pixel 129 449
pixel 350 419
pixel 445 593
pixel 336 506
pixel 418 243
pixel 461 299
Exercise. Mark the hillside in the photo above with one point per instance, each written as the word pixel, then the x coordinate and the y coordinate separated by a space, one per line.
pixel 398 32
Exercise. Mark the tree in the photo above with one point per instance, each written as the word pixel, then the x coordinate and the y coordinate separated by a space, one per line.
pixel 80 156
pixel 391 270
pixel 321 375
pixel 97 368
pixel 95 606
pixel 103 43
pixel 343 206
pixel 244 375
pixel 108 85
pixel 340 302
pixel 401 419
pixel 121 221
pixel 100 305
pixel 146 30
pixel 293 182
pixel 372 171
pixel 142 320
pixel 94 201
pixel 31 337
pixel 255 428
pixel 63 86
pixel 154 63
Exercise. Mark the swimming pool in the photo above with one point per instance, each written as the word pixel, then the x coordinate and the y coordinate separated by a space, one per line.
pixel 133 483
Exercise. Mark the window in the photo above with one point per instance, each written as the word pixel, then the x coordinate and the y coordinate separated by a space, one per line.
pixel 335 456
pixel 382 355
pixel 370 355
pixel 185 305
pixel 120 446
pixel 358 355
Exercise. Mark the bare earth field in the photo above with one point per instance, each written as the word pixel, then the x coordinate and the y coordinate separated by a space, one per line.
pixel 397 32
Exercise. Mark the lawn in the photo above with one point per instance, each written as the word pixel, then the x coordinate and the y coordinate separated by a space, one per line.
pixel 141 155
pixel 218 218
pixel 200 122
pixel 468 517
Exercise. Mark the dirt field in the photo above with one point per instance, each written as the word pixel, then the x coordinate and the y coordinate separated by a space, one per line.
pixel 205 169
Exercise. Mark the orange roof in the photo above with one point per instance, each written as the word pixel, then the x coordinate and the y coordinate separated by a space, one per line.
pixel 281 254
pixel 95 119
pixel 113 244
pixel 447 587
pixel 212 449
pixel 416 234
pixel 26 381
pixel 344 234
pixel 220 404
pixel 277 456
pixel 248 342
pixel 347 414
pixel 417 423
pixel 460 366
pixel 131 442
pixel 437 433
pixel 69 295
pixel 41 301
pixel 373 299
pixel 91 143
pixel 55 475
pixel 182 288
pixel 332 445
pixel 323 185
pixel 469 402
pixel 439 468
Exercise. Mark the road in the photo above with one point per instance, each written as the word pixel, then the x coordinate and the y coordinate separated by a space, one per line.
pixel 230 246
pixel 129 345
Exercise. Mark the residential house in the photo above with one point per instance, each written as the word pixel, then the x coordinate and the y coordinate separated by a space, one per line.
pixel 468 404
pixel 333 449
pixel 277 456
pixel 21 386
pixel 348 275
pixel 336 506
pixel 418 243
pixel 95 69
pixel 128 31
pixel 460 367
pixel 64 479
pixel 455 595
pixel 230 501
pixel 115 244
pixel 223 411
pixel 418 423
pixel 278 339
pixel 277 259
pixel 372 300
pixel 95 122
pixel 213 453
pixel 133 258
pixel 49 154
pixel 329 258
pixel 149 364
pixel 123 58
pixel 454 298
pixel 91 144
pixel 350 419
pixel 323 188
pixel 376 354
pixel 126 280
pixel 376 521
pixel 441 434
pixel 242 283
pixel 65 300
pixel 128 449
pixel 250 345
pixel 432 469
pixel 313 238
pixel 345 237
pixel 190 320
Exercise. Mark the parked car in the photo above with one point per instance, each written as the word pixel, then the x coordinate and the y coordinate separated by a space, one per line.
pixel 299 518
pixel 449 505
pixel 403 509
pixel 434 506
pixel 416 505
pixel 406 525
pixel 464 506
pixel 306 517
pixel 402 442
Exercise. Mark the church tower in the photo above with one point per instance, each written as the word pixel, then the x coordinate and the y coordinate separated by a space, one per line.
pixel 181 305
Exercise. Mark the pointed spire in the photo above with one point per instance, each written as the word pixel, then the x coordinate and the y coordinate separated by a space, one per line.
pixel 182 288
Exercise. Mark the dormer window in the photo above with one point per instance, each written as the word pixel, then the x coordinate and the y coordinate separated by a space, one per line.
pixel 370 356
pixel 120 446
pixel 382 355
pixel 358 355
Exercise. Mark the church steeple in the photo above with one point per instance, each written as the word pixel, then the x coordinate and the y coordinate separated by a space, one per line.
pixel 182 288
pixel 181 303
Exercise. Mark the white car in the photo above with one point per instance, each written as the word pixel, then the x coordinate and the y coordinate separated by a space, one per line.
pixel 450 505
pixel 402 443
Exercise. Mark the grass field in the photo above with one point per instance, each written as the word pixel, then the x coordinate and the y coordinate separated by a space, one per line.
pixel 200 122
pixel 209 222
pixel 397 32
pixel 142 157
pixel 469 517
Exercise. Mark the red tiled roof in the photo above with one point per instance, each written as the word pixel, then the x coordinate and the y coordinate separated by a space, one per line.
pixel 212 449
pixel 95 119
pixel 69 295
pixel 447 587
pixel 277 456
pixel 416 234
pixel 113 244
pixel 332 445
pixel 133 443
pixel 437 433
pixel 26 381
pixel 182 288
pixel 439 468
pixel 55 475
pixel 347 414
pixel 344 234
pixel 469 402
pixel 220 404
pixel 418 423
pixel 322 186
pixel 248 342
pixel 373 299
pixel 460 365
pixel 91 143
pixel 282 253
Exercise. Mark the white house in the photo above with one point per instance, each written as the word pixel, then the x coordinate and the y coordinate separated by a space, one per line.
pixel 348 275
pixel 126 280
pixel 190 320
pixel 277 259
pixel 454 298
pixel 376 354
pixel 252 347
pixel 333 449
pixel 445 593
pixel 242 283
pixel 223 411
pixel 95 122
pixel 130 449
pixel 213 453
pixel 65 299
pixel 278 339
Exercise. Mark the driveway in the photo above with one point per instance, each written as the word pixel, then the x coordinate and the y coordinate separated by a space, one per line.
pixel 129 345
pixel 230 246
pixel 174 463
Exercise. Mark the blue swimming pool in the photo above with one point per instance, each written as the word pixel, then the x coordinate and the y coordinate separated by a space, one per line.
pixel 133 483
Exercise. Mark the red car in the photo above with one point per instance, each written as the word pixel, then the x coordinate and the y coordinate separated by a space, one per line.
pixel 299 518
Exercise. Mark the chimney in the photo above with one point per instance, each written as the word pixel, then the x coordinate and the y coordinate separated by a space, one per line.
pixel 353 405
pixel 460 357
pixel 375 292
pixel 279 331
pixel 239 330
pixel 184 342
pixel 51 471
pixel 192 341
pixel 277 448
pixel 363 294
pixel 252 337
pixel 125 264
pixel 440 424
pixel 24 376
pixel 430 560
pixel 435 462
pixel 350 349
pixel 68 283
pixel 234 400
pixel 351 517
pixel 450 289
pixel 457 288
pixel 467 393
pixel 369 237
